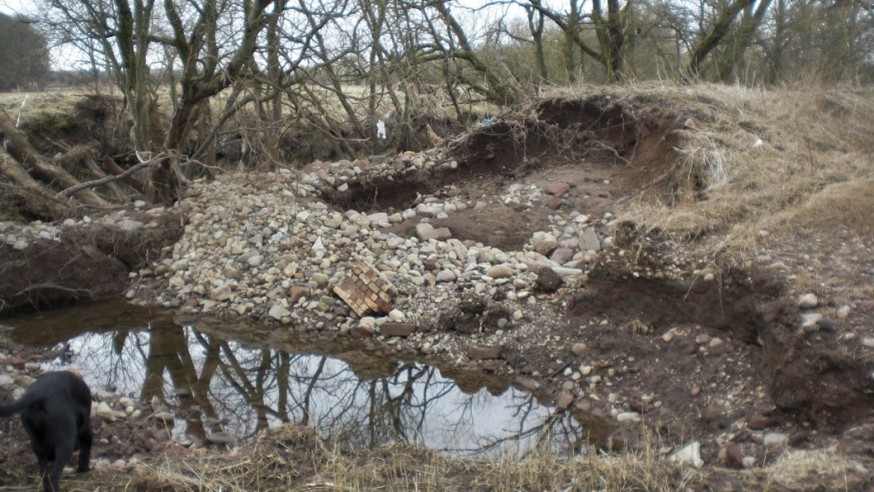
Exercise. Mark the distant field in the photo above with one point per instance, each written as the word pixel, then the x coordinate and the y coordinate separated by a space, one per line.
pixel 25 105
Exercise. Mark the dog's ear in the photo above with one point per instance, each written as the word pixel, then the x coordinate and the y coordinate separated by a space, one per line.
pixel 75 372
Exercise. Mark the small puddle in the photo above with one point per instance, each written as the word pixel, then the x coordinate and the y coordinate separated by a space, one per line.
pixel 228 379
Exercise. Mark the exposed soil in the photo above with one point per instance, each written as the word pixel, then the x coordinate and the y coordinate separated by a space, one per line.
pixel 763 368
pixel 79 264
pixel 599 154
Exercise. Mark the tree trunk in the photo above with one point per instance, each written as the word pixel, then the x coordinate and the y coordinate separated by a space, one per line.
pixel 742 39
pixel 718 30
pixel 207 145
pixel 23 152
pixel 779 43
pixel 12 170
pixel 611 36
pixel 35 200
pixel 536 28
pixel 570 36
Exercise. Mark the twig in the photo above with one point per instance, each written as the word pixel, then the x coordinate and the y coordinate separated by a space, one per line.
pixel 60 144
pixel 18 118
pixel 49 285
pixel 107 179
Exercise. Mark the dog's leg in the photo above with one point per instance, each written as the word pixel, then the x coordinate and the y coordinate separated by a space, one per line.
pixel 43 470
pixel 84 446
pixel 39 450
pixel 63 452
pixel 64 438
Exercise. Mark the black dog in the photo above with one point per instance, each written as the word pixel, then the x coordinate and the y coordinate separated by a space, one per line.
pixel 56 412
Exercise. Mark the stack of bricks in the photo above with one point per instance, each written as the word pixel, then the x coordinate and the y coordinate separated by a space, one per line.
pixel 366 291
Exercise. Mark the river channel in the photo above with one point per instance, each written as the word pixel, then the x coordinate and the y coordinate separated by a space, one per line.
pixel 225 381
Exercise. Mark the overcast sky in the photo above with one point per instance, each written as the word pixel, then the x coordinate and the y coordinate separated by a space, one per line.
pixel 66 58
pixel 15 6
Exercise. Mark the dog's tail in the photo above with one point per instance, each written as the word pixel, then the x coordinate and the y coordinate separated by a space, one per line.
pixel 18 405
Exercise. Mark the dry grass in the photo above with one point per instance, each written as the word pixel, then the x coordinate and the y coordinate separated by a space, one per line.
pixel 771 159
pixel 292 458
pixel 808 470
pixel 38 105
pixel 848 204
pixel 630 471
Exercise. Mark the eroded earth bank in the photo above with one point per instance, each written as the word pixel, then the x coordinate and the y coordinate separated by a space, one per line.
pixel 584 249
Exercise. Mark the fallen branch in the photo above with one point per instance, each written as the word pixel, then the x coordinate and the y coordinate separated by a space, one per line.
pixel 106 179
pixel 113 168
pixel 120 195
pixel 22 151
pixel 83 153
pixel 34 198
pixel 10 168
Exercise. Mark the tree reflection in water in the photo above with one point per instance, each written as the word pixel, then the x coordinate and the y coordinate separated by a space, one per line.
pixel 354 398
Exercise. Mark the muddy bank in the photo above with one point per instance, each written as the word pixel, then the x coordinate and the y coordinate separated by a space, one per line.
pixel 46 265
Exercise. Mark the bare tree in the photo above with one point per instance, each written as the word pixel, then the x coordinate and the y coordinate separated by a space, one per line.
pixel 739 42
pixel 712 32
pixel 210 46
pixel 609 27
pixel 500 82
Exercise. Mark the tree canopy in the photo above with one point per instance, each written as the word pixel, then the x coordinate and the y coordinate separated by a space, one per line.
pixel 24 55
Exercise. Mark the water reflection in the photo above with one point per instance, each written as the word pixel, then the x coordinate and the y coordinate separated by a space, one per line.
pixel 217 386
